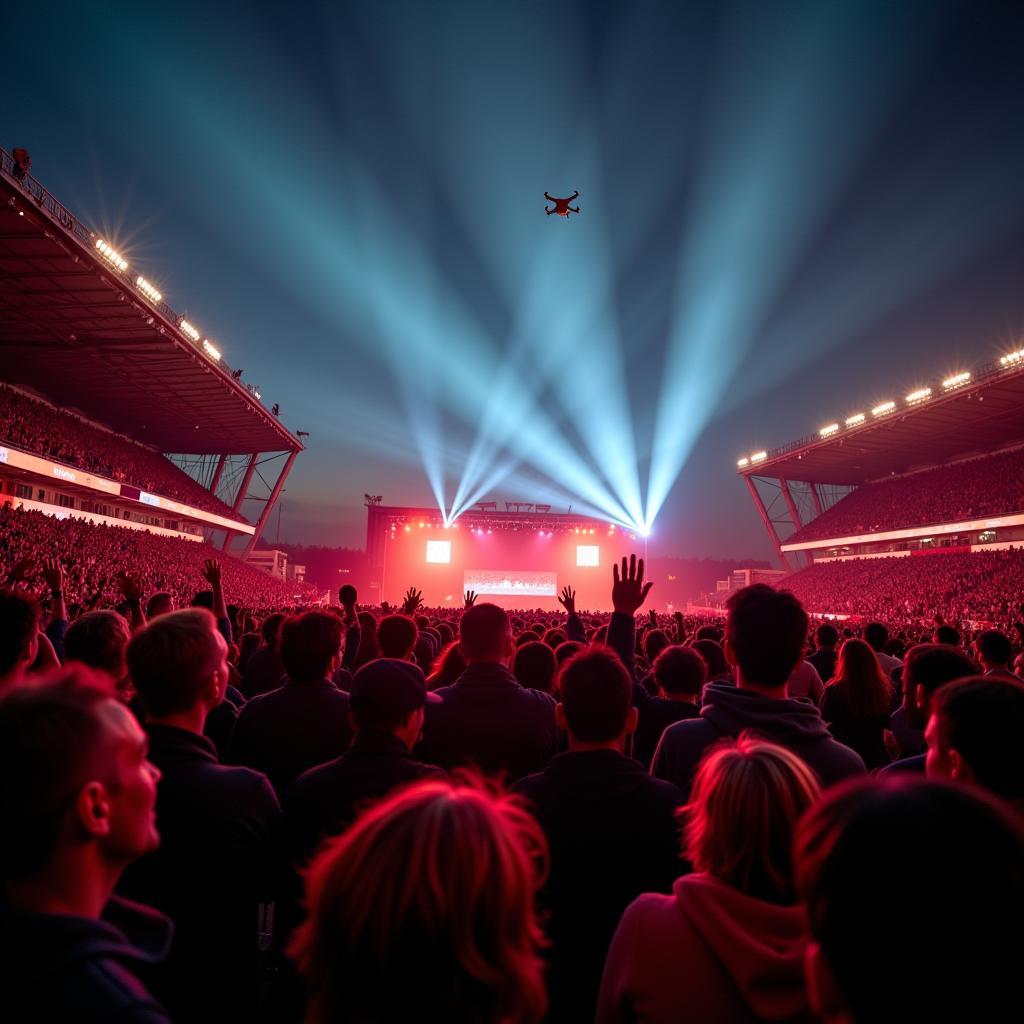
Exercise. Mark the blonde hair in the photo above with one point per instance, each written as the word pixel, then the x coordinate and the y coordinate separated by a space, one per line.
pixel 424 909
pixel 747 797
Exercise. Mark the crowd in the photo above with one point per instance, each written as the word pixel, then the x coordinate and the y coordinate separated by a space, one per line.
pixel 96 556
pixel 394 814
pixel 41 429
pixel 985 586
pixel 988 486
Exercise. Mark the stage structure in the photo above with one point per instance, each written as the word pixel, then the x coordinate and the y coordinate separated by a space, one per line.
pixel 518 558
pixel 83 331
pixel 961 416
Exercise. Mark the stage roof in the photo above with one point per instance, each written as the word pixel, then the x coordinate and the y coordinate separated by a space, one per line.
pixel 78 329
pixel 977 418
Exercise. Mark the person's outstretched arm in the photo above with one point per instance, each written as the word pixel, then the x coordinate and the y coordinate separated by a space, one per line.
pixel 628 593
pixel 573 627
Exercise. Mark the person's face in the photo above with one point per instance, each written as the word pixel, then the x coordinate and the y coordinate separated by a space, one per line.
pixel 222 670
pixel 938 763
pixel 131 792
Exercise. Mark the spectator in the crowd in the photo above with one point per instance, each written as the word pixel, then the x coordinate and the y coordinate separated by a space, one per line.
pixel 728 944
pixel 926 668
pixel 220 862
pixel 946 634
pixel 304 722
pixel 160 603
pixel 368 648
pixel 826 640
pixel 994 652
pixel 448 934
pixel 264 669
pixel 487 718
pixel 876 636
pixel 804 683
pixel 19 637
pixel 610 827
pixel 714 657
pixel 764 641
pixel 534 666
pixel 655 641
pixel 563 652
pixel 77 798
pixel 387 700
pixel 679 674
pixel 447 667
pixel 857 703
pixel 949 862
pixel 975 734
pixel 100 639
pixel 397 636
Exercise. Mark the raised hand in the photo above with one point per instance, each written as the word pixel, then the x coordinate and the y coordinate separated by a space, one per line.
pixel 53 573
pixel 567 599
pixel 470 599
pixel 413 599
pixel 130 587
pixel 629 590
pixel 211 573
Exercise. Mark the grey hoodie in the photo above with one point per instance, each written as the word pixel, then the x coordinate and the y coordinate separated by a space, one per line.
pixel 728 711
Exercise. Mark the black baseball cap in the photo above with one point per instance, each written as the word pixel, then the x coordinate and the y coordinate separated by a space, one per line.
pixel 391 688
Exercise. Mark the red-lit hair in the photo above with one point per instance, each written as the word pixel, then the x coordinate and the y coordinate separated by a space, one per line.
pixel 424 909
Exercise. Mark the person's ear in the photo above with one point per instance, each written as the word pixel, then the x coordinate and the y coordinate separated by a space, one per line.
pixel 93 809
pixel 730 653
pixel 560 718
pixel 959 769
pixel 822 988
pixel 631 720
pixel 920 697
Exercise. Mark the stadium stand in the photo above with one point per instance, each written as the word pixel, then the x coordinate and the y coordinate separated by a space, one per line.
pixel 40 429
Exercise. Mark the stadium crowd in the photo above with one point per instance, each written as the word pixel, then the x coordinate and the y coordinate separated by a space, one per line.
pixel 982 586
pixel 41 429
pixel 482 816
pixel 974 489
pixel 95 554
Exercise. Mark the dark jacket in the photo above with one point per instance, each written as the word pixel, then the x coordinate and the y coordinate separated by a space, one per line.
pixel 325 799
pixel 220 860
pixel 824 660
pixel 490 720
pixel 613 835
pixel 263 672
pixel 289 730
pixel 655 715
pixel 865 735
pixel 728 711
pixel 59 967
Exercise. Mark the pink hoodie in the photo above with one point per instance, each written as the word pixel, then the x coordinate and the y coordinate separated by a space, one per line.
pixel 706 953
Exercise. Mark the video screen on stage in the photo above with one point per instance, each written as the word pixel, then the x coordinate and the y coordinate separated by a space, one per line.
pixel 505 582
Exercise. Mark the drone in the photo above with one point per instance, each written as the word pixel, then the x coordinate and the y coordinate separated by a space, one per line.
pixel 562 207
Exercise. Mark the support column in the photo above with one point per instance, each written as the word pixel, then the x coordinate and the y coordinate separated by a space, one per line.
pixel 794 513
pixel 243 490
pixel 218 473
pixel 816 496
pixel 269 507
pixel 768 524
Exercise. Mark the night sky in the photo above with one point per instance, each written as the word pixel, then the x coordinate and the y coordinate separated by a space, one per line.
pixel 789 212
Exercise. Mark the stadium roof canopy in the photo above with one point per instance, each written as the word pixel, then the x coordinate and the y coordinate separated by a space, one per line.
pixel 979 416
pixel 78 328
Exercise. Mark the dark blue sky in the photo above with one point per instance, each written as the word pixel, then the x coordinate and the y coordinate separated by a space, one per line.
pixel 790 210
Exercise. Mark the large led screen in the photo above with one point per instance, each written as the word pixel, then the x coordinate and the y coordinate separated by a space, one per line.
pixel 511 582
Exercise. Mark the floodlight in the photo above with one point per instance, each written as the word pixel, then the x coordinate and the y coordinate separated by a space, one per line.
pixel 832 428
pixel 1013 358
pixel 958 380
pixel 211 350
pixel 188 329
pixel 743 462
pixel 148 290
pixel 111 255
pixel 758 456
pixel 883 409
pixel 918 396
pixel 856 420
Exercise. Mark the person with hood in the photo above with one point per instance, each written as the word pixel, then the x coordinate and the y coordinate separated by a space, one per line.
pixel 611 828
pixel 764 641
pixel 728 944
pixel 77 800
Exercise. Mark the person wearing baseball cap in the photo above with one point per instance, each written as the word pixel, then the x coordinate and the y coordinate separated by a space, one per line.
pixel 386 702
